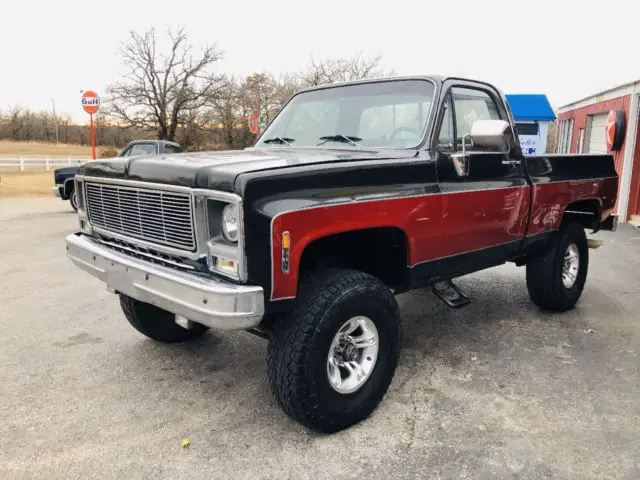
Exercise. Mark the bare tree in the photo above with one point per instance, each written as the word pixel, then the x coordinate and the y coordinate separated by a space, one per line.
pixel 334 70
pixel 16 122
pixel 160 91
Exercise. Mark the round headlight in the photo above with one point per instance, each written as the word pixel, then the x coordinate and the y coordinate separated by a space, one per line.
pixel 230 223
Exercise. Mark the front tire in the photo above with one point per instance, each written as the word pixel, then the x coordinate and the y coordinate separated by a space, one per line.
pixel 556 276
pixel 331 362
pixel 156 323
pixel 73 199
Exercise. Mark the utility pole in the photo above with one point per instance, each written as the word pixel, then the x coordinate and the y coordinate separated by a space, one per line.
pixel 55 119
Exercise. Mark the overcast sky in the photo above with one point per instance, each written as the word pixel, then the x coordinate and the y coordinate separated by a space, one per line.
pixel 564 49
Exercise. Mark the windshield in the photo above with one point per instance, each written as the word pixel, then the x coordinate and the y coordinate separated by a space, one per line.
pixel 371 115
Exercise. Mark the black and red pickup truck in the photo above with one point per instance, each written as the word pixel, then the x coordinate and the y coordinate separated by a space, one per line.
pixel 353 194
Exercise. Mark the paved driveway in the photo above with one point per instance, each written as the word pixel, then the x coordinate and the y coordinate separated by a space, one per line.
pixel 496 390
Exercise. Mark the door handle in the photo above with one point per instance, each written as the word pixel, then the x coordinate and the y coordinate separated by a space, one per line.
pixel 511 162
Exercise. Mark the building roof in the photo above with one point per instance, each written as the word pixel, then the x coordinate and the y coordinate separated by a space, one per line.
pixel 530 107
pixel 619 90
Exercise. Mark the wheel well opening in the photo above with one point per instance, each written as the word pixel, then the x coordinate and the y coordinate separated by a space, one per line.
pixel 69 185
pixel 585 212
pixel 381 252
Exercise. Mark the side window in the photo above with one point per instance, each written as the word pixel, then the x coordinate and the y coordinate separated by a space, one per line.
pixel 445 139
pixel 471 105
pixel 172 149
pixel 142 149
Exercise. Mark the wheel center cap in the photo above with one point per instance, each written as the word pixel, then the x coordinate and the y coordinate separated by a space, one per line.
pixel 350 352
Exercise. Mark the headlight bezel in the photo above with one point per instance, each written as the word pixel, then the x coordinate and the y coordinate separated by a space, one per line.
pixel 222 245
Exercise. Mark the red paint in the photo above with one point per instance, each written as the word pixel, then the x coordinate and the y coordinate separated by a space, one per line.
pixel 551 199
pixel 436 225
pixel 93 138
pixel 634 191
pixel 579 116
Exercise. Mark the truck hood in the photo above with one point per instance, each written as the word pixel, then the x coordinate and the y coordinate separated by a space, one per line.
pixel 219 170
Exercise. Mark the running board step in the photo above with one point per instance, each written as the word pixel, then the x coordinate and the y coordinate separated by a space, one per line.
pixel 450 294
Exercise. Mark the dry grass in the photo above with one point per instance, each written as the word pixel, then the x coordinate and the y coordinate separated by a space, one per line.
pixel 42 150
pixel 27 183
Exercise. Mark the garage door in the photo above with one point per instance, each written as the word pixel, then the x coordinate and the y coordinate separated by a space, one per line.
pixel 597 139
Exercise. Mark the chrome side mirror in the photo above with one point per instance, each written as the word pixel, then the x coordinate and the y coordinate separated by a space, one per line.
pixel 491 134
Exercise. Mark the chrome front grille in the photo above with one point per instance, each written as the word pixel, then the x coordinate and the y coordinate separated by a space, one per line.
pixel 155 216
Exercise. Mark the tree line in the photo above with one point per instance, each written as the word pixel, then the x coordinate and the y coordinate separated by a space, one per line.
pixel 178 94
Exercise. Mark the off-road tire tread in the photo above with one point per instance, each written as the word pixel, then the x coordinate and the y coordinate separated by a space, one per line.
pixel 293 337
pixel 543 282
pixel 156 323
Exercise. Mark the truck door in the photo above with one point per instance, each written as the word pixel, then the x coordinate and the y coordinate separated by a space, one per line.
pixel 484 210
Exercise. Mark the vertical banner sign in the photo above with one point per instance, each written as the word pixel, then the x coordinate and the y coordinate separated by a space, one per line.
pixel 91 104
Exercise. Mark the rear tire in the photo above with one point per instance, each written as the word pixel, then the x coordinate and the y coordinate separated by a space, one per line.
pixel 156 323
pixel 310 383
pixel 555 277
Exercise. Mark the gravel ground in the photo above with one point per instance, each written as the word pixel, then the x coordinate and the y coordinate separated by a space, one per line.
pixel 496 390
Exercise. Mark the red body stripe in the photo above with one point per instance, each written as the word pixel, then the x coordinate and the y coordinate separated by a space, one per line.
pixel 436 226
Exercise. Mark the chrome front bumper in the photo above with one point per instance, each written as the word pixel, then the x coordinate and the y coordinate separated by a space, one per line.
pixel 216 304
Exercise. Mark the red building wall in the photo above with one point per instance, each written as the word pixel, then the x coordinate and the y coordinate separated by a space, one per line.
pixel 579 116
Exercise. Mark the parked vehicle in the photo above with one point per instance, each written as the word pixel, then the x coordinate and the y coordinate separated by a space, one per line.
pixel 64 177
pixel 353 194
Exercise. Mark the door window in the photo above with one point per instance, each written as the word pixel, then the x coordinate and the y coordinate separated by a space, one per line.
pixel 172 149
pixel 142 149
pixel 471 105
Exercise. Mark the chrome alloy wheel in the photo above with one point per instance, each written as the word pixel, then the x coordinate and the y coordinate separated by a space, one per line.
pixel 570 266
pixel 352 355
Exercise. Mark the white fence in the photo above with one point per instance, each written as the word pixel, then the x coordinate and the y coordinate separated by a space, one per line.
pixel 48 163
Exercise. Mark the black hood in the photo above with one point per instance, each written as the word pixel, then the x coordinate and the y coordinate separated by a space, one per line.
pixel 62 174
pixel 219 170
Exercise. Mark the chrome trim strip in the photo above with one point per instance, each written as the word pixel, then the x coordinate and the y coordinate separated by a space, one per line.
pixel 571 181
pixel 214 303
pixel 134 252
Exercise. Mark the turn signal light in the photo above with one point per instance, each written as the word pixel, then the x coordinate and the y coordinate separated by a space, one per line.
pixel 286 242
pixel 227 266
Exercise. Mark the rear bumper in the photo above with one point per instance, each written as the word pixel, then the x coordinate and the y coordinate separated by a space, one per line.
pixel 214 303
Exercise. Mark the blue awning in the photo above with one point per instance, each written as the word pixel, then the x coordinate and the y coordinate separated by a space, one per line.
pixel 530 107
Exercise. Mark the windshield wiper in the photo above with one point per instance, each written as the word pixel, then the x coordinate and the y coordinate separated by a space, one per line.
pixel 340 138
pixel 281 140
